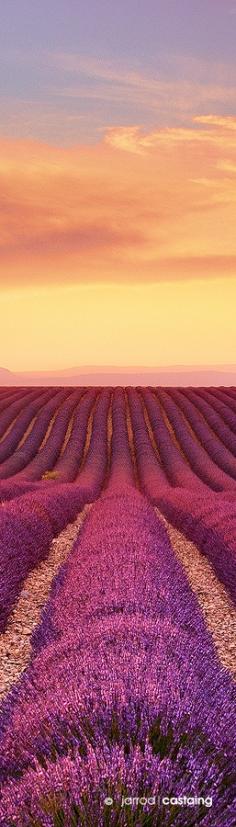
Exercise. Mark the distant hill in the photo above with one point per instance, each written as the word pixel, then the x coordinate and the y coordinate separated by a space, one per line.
pixel 182 375
pixel 4 375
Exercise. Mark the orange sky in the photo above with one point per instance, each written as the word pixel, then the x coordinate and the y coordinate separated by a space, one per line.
pixel 117 183
pixel 147 324
pixel 123 251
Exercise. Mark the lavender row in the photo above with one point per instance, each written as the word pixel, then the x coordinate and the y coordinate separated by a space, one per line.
pixel 219 407
pixel 11 395
pixel 86 488
pixel 5 394
pixel 225 397
pixel 67 465
pixel 210 522
pixel 200 462
pixel 92 476
pixel 152 475
pixel 11 410
pixel 121 466
pixel 23 455
pixel 27 527
pixel 12 488
pixel 230 392
pixel 216 449
pixel 125 691
pixel 202 402
pixel 176 466
pixel 47 456
pixel 24 419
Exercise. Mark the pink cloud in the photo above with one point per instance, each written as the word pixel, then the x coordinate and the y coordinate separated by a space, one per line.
pixel 136 206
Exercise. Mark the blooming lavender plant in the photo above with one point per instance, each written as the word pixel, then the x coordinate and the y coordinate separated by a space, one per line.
pixel 215 419
pixel 218 406
pixel 152 474
pixel 200 461
pixel 122 471
pixel 209 439
pixel 68 464
pixel 30 410
pixel 175 463
pixel 47 455
pixel 91 476
pixel 14 406
pixel 22 456
pixel 118 697
pixel 210 522
pixel 27 527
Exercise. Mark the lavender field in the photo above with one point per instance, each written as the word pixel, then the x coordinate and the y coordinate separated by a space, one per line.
pixel 117 607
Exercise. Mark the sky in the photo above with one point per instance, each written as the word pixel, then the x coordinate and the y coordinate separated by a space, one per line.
pixel 117 183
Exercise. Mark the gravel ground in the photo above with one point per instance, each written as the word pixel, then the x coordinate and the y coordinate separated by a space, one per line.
pixel 15 642
pixel 218 610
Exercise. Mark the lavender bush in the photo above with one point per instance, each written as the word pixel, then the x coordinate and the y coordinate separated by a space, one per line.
pixel 117 700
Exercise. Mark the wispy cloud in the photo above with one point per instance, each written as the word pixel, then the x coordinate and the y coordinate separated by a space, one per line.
pixel 135 206
pixel 134 139
pixel 69 98
pixel 226 122
pixel 159 90
pixel 227 166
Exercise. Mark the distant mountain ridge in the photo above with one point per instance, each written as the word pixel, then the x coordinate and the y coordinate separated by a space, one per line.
pixel 182 375
pixel 4 372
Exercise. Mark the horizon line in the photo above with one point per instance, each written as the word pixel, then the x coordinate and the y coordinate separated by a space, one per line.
pixel 138 368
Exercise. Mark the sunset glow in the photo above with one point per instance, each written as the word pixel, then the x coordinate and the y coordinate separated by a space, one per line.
pixel 120 232
pixel 119 325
